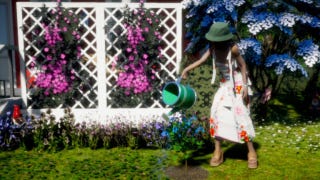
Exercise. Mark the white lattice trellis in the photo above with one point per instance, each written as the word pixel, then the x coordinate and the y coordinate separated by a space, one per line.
pixel 101 23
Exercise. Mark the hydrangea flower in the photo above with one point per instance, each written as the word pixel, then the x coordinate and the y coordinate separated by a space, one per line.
pixel 287 19
pixel 283 62
pixel 305 1
pixel 259 21
pixel 309 52
pixel 250 48
pixel 260 3
pixel 204 13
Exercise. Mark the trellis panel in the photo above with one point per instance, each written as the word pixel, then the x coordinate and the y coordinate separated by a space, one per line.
pixel 101 23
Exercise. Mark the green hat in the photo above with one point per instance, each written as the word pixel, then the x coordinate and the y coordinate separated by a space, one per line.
pixel 218 32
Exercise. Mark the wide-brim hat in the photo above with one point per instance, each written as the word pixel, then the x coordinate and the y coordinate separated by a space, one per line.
pixel 218 32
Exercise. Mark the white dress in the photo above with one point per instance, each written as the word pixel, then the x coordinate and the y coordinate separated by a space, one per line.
pixel 230 117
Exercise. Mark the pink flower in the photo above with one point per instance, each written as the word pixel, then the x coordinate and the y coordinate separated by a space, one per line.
pixel 46 49
pixel 127 93
pixel 46 93
pixel 32 65
pixel 78 54
pixel 131 58
pixel 62 56
pixel 49 57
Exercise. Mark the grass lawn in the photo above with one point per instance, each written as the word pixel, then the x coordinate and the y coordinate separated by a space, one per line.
pixel 285 152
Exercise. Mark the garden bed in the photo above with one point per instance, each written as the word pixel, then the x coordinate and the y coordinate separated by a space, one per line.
pixel 286 151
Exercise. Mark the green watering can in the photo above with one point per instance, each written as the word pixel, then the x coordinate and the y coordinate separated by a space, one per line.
pixel 178 96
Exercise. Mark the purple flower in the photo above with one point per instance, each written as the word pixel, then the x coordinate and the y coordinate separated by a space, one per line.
pixel 49 57
pixel 129 50
pixel 62 56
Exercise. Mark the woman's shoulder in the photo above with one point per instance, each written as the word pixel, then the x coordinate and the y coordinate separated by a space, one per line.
pixel 235 50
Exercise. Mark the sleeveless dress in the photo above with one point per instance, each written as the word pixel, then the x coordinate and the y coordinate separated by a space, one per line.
pixel 230 117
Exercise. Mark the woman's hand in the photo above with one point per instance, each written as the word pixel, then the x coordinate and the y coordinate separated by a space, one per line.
pixel 184 74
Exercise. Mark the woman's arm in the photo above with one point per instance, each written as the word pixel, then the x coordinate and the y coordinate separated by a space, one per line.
pixel 241 63
pixel 243 68
pixel 197 63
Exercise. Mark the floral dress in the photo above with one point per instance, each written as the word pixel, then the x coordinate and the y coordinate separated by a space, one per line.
pixel 230 117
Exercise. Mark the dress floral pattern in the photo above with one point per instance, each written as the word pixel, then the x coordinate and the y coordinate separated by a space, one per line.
pixel 230 117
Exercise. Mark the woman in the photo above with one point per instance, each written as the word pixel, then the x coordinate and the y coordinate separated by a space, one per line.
pixel 230 117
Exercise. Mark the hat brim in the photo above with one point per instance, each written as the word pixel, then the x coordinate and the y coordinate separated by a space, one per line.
pixel 219 38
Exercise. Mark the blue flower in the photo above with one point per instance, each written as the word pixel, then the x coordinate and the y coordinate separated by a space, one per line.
pixel 287 19
pixel 305 1
pixel 193 118
pixel 213 7
pixel 259 20
pixel 234 15
pixel 315 22
pixel 199 130
pixel 206 21
pixel 164 134
pixel 188 35
pixel 309 51
pixel 251 49
pixel 284 61
pixel 260 3
pixel 175 129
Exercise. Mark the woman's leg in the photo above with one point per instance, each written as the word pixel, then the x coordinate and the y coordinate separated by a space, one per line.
pixel 252 156
pixel 217 157
pixel 217 148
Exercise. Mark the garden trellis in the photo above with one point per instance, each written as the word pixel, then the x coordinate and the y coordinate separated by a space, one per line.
pixel 100 23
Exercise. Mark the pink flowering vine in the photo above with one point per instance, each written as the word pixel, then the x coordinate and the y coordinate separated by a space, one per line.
pixel 139 62
pixel 60 52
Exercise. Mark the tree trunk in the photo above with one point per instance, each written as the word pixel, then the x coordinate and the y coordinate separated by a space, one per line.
pixel 311 87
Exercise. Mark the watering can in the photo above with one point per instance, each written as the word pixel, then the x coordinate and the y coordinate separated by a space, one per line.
pixel 178 96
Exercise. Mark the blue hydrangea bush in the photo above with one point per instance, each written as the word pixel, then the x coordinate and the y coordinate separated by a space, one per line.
pixel 278 39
